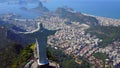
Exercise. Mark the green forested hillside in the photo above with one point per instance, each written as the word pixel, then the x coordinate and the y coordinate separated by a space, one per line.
pixel 108 34
pixel 15 56
pixel 66 61
pixel 3 38
pixel 76 16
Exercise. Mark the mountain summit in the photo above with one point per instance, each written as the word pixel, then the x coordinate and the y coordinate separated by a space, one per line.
pixel 76 16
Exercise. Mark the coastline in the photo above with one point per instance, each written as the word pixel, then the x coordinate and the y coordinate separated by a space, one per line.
pixel 104 21
pixel 37 29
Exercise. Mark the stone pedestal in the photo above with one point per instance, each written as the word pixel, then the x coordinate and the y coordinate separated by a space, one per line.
pixel 44 66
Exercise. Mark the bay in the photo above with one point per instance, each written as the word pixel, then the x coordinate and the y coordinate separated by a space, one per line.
pixel 104 8
pixel 6 8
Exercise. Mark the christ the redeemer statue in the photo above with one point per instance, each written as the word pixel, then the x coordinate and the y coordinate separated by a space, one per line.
pixel 40 35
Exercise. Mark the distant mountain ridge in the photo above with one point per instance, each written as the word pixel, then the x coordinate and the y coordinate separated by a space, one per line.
pixel 76 16
pixel 39 9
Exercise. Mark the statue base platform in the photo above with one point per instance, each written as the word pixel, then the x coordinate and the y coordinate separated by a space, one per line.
pixel 44 66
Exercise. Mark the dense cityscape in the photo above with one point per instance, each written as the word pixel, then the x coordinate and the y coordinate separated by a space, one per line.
pixel 73 37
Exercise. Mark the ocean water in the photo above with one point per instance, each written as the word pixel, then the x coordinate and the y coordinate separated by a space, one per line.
pixel 6 8
pixel 105 8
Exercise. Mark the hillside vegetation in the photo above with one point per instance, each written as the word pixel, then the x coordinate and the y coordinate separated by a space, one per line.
pixel 108 34
pixel 76 16
pixel 15 56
